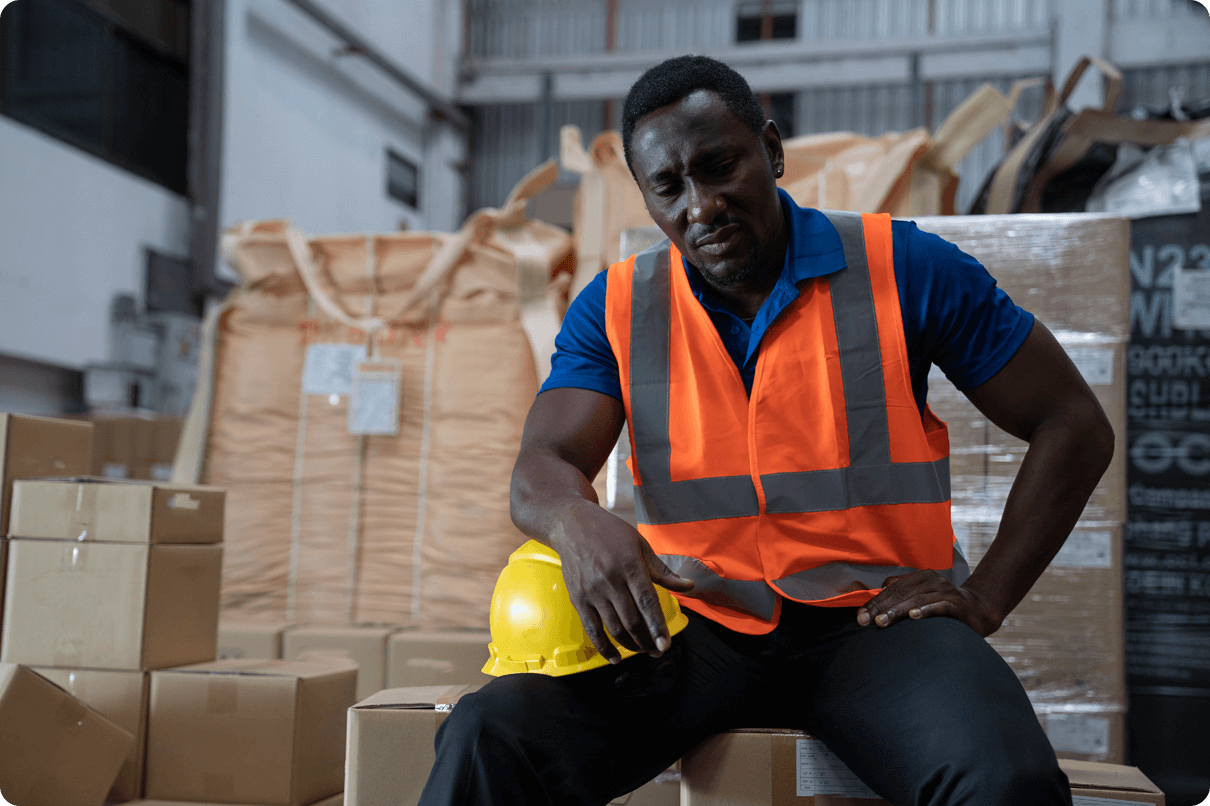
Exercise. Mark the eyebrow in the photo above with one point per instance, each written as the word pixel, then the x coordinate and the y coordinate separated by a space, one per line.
pixel 714 154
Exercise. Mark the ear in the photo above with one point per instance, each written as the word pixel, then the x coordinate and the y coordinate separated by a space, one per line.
pixel 771 139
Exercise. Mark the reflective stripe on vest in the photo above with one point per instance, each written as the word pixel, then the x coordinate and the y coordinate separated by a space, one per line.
pixel 869 480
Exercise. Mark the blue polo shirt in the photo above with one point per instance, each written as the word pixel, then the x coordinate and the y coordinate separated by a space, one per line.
pixel 954 315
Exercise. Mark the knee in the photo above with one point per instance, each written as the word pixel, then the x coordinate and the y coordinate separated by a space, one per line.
pixel 493 715
pixel 476 716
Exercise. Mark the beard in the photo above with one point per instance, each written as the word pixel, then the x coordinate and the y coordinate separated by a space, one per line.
pixel 752 268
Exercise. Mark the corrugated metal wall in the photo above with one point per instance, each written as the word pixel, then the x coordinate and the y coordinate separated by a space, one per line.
pixel 1149 87
pixel 526 29
pixel 1153 9
pixel 508 142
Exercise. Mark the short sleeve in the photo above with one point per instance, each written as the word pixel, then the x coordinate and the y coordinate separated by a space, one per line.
pixel 955 316
pixel 583 358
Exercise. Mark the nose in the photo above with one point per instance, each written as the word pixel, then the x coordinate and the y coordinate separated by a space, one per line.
pixel 705 204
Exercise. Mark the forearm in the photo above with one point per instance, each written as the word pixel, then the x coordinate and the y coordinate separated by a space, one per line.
pixel 1064 462
pixel 546 490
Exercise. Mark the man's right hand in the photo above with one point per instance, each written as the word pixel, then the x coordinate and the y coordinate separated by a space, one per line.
pixel 609 570
pixel 607 565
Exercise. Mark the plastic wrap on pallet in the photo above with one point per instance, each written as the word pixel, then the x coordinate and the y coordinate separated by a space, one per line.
pixel 1064 641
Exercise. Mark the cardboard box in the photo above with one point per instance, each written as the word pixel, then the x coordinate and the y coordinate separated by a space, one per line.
pixel 784 768
pixel 31 447
pixel 335 800
pixel 249 731
pixel 366 646
pixel 663 790
pixel 3 576
pixel 110 605
pixel 248 640
pixel 1092 735
pixel 420 658
pixel 94 508
pixel 136 446
pixel 44 731
pixel 390 749
pixel 1065 639
pixel 1091 780
pixel 390 743
pixel 120 697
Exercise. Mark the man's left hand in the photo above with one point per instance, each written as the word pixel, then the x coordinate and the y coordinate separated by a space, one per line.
pixel 923 594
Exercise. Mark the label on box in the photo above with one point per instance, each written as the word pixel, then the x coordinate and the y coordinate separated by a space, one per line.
pixel 374 402
pixel 1094 363
pixel 1085 550
pixel 1078 733
pixel 1190 298
pixel 1088 800
pixel 330 367
pixel 820 772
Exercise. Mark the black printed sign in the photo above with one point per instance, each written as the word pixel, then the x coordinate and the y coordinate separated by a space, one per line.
pixel 1167 551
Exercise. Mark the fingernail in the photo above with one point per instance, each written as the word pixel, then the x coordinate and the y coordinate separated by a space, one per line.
pixel 914 612
pixel 883 619
pixel 662 644
pixel 615 660
pixel 863 618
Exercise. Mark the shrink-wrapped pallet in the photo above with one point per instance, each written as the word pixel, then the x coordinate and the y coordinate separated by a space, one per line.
pixel 1064 640
pixel 329 526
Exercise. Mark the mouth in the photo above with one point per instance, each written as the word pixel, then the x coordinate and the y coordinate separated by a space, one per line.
pixel 719 241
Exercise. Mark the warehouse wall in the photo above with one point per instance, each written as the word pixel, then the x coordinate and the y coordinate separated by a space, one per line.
pixel 851 67
pixel 307 126
pixel 74 229
pixel 530 29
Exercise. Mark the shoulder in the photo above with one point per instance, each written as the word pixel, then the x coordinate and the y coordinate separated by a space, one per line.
pixel 955 315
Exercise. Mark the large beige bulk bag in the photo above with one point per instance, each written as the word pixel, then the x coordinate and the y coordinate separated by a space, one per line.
pixel 327 526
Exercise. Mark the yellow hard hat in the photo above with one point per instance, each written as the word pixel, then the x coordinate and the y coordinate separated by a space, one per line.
pixel 534 626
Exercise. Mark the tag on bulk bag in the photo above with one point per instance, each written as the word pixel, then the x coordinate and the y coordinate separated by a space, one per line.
pixel 374 400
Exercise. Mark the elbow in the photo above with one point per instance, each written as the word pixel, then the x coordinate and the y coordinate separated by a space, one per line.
pixel 518 499
pixel 1100 441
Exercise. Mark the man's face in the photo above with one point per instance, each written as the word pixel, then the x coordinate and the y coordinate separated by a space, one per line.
pixel 708 182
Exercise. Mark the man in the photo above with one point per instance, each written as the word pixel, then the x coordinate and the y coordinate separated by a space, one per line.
pixel 772 365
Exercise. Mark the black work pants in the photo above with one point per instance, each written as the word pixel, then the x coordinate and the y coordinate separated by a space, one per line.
pixel 925 712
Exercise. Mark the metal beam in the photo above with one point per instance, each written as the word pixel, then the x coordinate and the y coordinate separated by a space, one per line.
pixel 768 66
pixel 438 106
pixel 206 50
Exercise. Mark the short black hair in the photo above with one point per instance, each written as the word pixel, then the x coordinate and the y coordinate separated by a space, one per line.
pixel 675 79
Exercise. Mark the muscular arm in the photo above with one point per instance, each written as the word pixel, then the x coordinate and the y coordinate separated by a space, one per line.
pixel 1038 396
pixel 607 565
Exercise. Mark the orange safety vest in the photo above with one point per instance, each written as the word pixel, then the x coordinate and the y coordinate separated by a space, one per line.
pixel 818 486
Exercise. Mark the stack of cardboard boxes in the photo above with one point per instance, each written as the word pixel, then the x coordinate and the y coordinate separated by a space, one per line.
pixel 1065 640
pixel 108 684
pixel 387 656
pixel 134 446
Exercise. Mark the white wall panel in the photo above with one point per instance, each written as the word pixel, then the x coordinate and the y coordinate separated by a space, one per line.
pixel 73 230
pixel 306 129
